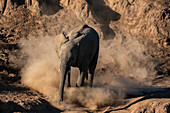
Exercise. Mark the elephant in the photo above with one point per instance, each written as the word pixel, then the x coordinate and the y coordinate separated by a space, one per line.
pixel 80 48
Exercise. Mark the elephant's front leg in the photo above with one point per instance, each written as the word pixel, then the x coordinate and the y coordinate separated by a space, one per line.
pixel 90 81
pixel 91 75
pixel 69 84
pixel 80 81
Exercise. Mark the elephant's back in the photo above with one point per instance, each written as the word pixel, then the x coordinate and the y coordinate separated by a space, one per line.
pixel 90 34
pixel 89 45
pixel 82 30
pixel 76 32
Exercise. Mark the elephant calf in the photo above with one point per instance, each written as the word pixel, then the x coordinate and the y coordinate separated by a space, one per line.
pixel 80 48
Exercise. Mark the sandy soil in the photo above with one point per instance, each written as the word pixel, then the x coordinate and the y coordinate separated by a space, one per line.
pixel 16 97
pixel 132 75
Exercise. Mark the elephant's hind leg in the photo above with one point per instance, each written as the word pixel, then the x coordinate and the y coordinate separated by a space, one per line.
pixel 91 76
pixel 80 81
pixel 92 68
pixel 69 84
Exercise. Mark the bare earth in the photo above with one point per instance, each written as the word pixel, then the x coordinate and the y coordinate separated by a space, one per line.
pixel 133 71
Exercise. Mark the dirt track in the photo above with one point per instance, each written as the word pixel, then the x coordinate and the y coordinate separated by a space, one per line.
pixel 134 53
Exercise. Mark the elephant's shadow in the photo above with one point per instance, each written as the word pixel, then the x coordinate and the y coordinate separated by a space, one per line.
pixel 103 15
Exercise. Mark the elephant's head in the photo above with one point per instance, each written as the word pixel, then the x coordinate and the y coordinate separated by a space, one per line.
pixel 68 55
pixel 59 40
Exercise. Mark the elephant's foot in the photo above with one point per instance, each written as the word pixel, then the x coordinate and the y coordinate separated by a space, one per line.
pixel 68 85
pixel 80 85
pixel 61 98
pixel 77 85
pixel 88 84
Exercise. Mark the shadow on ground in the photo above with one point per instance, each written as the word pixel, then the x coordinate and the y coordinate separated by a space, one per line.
pixel 100 12
pixel 45 107
pixel 162 94
pixel 22 96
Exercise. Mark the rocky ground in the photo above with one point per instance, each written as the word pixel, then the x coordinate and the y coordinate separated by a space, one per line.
pixel 134 46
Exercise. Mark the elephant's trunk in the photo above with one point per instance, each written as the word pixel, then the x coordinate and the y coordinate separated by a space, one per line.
pixel 64 69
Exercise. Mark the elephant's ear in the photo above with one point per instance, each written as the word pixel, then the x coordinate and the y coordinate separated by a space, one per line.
pixel 78 39
pixel 59 40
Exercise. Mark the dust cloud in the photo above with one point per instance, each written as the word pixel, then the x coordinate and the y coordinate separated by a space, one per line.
pixel 121 70
pixel 40 71
pixel 131 59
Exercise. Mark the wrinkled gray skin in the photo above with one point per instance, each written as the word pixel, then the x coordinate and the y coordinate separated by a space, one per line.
pixel 80 50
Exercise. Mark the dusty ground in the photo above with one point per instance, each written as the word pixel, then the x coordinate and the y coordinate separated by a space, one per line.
pixel 16 97
pixel 134 45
